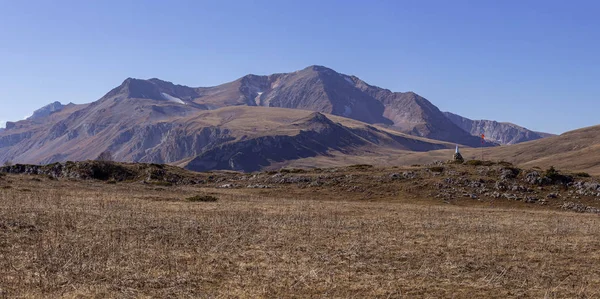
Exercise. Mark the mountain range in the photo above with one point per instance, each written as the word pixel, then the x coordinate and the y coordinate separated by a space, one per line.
pixel 499 132
pixel 252 123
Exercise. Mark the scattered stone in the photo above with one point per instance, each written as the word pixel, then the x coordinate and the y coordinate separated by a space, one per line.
pixel 258 187
pixel 579 208
pixel 508 173
pixel 531 199
pixel 500 185
pixel 552 195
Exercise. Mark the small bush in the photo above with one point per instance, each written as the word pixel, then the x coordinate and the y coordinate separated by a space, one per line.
pixel 202 198
pixel 292 170
pixel 161 183
pixel 474 163
pixel 361 166
pixel 505 164
pixel 436 169
pixel 556 177
pixel 582 175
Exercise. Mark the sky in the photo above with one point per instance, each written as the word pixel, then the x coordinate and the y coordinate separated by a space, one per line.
pixel 533 63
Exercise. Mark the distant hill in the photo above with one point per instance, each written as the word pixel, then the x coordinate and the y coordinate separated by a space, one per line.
pixel 499 132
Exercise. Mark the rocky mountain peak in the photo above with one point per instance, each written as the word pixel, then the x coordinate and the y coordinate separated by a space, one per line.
pixel 46 110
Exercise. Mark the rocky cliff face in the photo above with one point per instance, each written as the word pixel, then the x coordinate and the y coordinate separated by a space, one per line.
pixel 502 133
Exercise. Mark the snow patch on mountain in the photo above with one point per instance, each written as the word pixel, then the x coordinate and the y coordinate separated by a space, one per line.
pixel 257 99
pixel 171 98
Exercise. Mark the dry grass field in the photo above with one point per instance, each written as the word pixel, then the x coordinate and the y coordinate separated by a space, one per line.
pixel 89 239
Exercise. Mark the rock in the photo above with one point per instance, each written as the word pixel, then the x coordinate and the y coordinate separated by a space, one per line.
pixel 508 173
pixel 552 195
pixel 409 175
pixel 579 208
pixel 227 186
pixel 500 185
pixel 531 199
pixel 258 186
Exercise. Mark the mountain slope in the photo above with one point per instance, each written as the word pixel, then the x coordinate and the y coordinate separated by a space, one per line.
pixel 502 133
pixel 321 89
pixel 161 130
pixel 577 150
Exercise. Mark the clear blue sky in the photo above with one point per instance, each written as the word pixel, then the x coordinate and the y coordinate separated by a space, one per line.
pixel 534 63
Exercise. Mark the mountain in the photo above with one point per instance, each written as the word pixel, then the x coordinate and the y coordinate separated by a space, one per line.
pixel 46 110
pixel 499 132
pixel 251 123
pixel 321 89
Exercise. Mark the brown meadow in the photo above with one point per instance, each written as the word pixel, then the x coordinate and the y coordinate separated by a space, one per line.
pixel 88 239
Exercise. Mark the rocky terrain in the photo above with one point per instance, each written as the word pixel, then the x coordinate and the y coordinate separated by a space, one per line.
pixel 499 132
pixel 450 182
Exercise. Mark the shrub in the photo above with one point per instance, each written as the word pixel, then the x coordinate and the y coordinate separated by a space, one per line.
pixel 436 169
pixel 582 175
pixel 161 183
pixel 474 163
pixel 361 166
pixel 553 175
pixel 481 163
pixel 202 198
pixel 292 170
pixel 505 164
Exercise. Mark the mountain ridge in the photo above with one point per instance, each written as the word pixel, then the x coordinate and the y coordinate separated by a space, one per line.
pixel 502 132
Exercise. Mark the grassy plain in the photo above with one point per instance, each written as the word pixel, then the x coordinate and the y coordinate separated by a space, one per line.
pixel 89 239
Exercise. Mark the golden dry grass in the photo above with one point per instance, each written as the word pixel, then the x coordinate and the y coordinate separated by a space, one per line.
pixel 62 239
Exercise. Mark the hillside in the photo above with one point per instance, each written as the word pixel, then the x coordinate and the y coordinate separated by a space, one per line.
pixel 237 138
pixel 577 150
pixel 324 90
pixel 499 132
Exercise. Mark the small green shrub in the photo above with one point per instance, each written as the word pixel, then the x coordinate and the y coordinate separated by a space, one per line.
pixel 202 198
